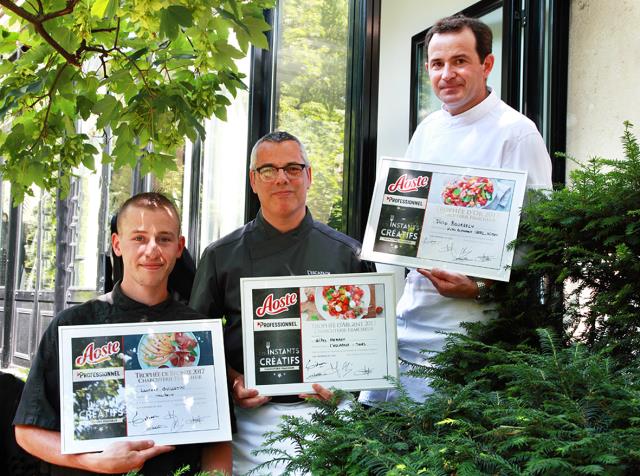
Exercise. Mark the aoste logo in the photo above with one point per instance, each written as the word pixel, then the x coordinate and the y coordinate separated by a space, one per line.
pixel 404 184
pixel 94 355
pixel 273 306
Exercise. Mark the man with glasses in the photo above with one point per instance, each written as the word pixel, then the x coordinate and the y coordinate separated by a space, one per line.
pixel 283 240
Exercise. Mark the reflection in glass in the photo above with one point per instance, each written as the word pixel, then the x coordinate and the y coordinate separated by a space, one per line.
pixel 171 183
pixel 48 243
pixel 37 248
pixel 120 188
pixel 548 41
pixel 28 245
pixel 310 89
pixel 84 205
pixel 84 227
pixel 5 207
pixel 224 169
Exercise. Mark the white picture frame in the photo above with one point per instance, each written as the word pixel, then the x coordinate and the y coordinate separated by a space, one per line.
pixel 295 336
pixel 164 381
pixel 462 219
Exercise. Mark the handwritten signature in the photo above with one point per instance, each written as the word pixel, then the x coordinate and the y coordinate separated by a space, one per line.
pixel 178 423
pixel 150 422
pixel 463 253
pixel 338 369
pixel 170 421
pixel 364 371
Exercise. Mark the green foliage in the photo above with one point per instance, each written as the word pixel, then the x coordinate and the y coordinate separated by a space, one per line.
pixel 548 387
pixel 586 238
pixel 563 410
pixel 148 70
pixel 181 472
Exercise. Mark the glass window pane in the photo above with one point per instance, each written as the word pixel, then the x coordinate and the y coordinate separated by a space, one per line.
pixel 310 89
pixel 120 188
pixel 224 169
pixel 84 208
pixel 171 183
pixel 28 246
pixel 85 228
pixel 48 243
pixel 5 208
pixel 37 247
pixel 546 105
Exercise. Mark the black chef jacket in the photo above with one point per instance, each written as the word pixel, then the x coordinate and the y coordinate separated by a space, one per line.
pixel 258 250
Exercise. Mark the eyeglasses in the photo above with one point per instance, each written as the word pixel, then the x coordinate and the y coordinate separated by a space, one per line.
pixel 269 173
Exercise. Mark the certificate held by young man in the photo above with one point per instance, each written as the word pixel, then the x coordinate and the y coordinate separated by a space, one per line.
pixel 164 381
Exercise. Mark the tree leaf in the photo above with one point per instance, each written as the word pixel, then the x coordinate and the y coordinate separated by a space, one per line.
pixel 137 54
pixel 169 27
pixel 106 109
pixel 99 8
pixel 182 15
pixel 141 79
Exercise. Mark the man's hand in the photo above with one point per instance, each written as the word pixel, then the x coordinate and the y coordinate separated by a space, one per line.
pixel 119 457
pixel 125 456
pixel 453 285
pixel 322 393
pixel 246 397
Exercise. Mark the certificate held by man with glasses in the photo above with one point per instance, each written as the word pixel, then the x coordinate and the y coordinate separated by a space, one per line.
pixel 333 329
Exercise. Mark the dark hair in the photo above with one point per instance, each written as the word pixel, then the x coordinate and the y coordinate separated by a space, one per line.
pixel 456 23
pixel 152 200
pixel 277 137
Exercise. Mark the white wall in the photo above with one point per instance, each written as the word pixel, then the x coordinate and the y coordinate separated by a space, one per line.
pixel 604 73
pixel 401 19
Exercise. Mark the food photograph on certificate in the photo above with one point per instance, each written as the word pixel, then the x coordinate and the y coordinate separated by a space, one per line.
pixel 340 302
pixel 168 350
pixel 474 192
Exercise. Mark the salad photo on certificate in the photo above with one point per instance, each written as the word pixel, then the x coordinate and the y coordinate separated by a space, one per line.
pixel 331 329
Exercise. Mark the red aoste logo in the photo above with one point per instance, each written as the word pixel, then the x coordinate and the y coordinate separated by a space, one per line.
pixel 273 306
pixel 94 355
pixel 404 184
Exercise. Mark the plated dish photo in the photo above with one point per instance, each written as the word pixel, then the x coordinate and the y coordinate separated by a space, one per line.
pixel 470 192
pixel 170 349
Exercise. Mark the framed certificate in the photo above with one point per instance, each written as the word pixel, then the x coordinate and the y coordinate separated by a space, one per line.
pixel 338 330
pixel 462 219
pixel 164 381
